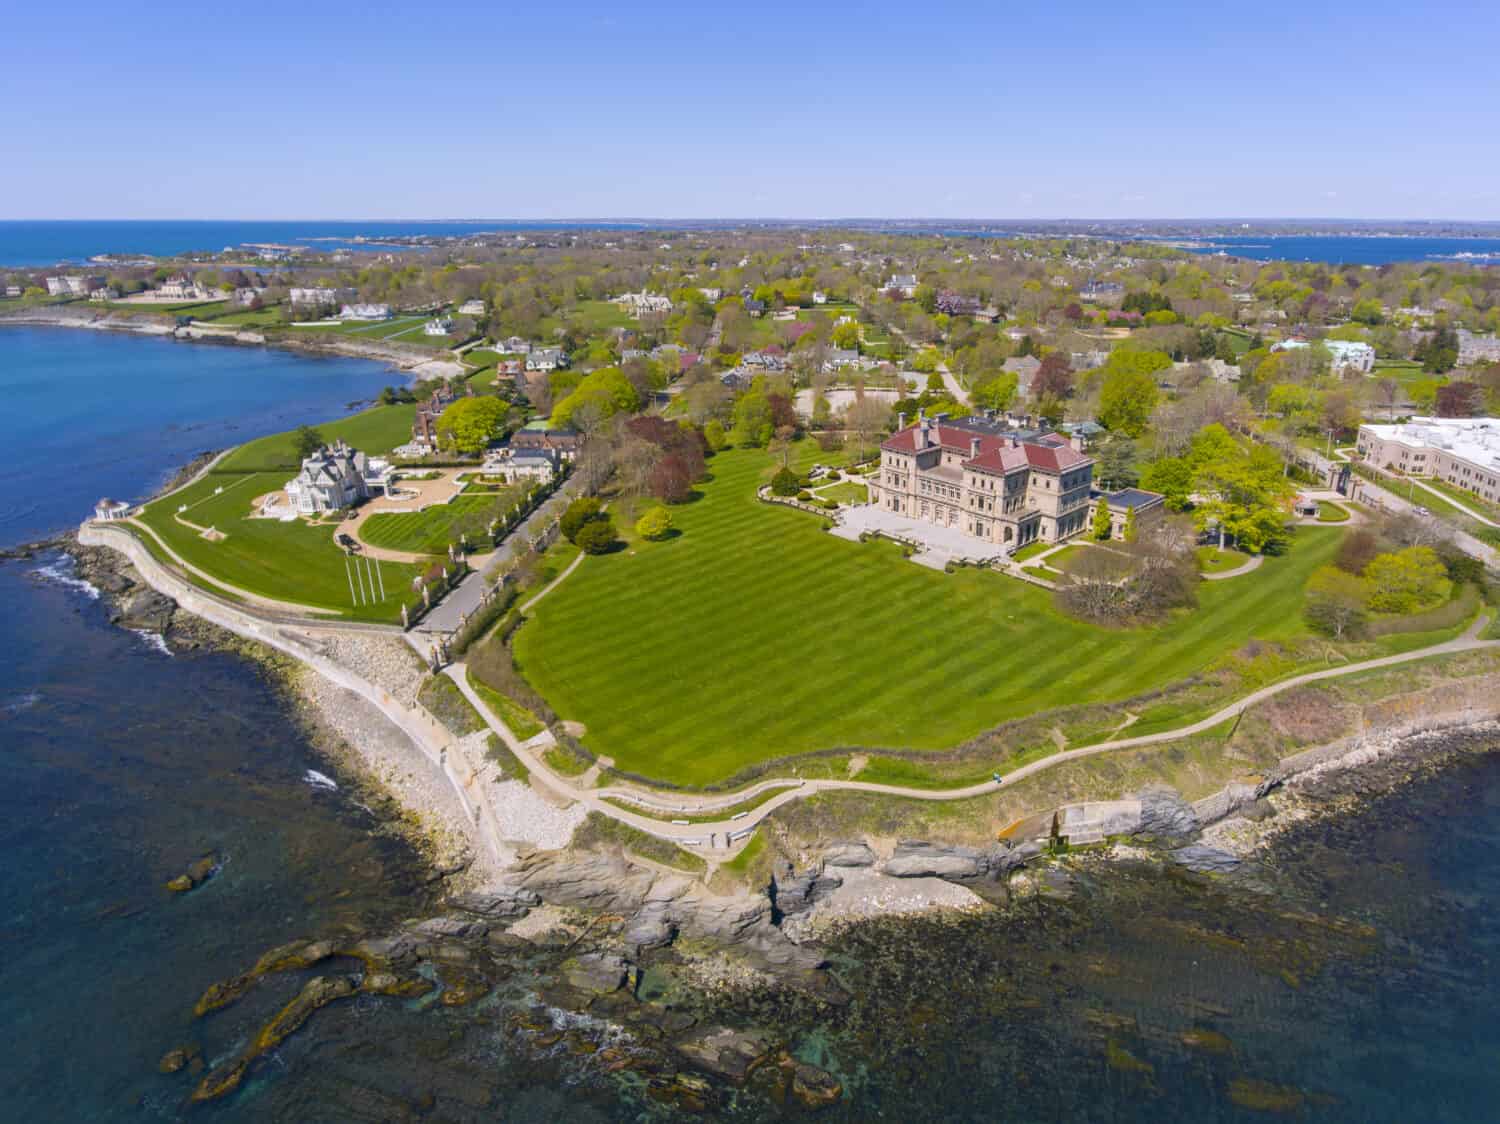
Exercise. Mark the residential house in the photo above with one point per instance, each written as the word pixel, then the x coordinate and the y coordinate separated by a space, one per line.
pixel 1464 452
pixel 424 436
pixel 72 285
pixel 1474 349
pixel 545 359
pixel 562 444
pixel 841 357
pixel 248 295
pixel 515 345
pixel 365 311
pixel 104 293
pixel 1000 486
pixel 474 307
pixel 1348 355
pixel 181 287
pixel 712 295
pixel 903 283
pixel 819 297
pixel 336 477
pixel 516 466
pixel 13 290
pixel 754 307
pixel 314 297
pixel 642 303
pixel 510 367
pixel 987 314
pixel 770 359
pixel 438 326
pixel 1102 292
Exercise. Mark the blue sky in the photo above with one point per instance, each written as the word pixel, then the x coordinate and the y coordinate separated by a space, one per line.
pixel 811 110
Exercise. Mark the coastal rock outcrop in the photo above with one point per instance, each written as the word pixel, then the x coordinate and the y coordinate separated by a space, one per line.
pixel 849 854
pixel 726 1053
pixel 505 903
pixel 1165 814
pixel 197 874
pixel 916 858
pixel 1205 859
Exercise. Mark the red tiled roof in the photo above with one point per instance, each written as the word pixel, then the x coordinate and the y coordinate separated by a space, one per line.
pixel 1048 452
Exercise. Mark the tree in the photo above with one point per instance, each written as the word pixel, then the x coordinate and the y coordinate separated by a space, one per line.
pixel 1245 496
pixel 1367 311
pixel 1407 580
pixel 1388 393
pixel 1117 463
pixel 597 536
pixel 599 395
pixel 1126 400
pixel 471 423
pixel 580 512
pixel 1129 529
pixel 655 524
pixel 307 441
pixel 1335 603
pixel 714 436
pixel 672 479
pixel 1173 478
pixel 785 483
pixel 1459 400
pixel 846 335
pixel 995 392
pixel 753 424
pixel 1102 528
pixel 1054 378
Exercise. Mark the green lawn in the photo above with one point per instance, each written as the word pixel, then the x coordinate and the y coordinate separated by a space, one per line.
pixel 1331 513
pixel 1468 499
pixel 295 561
pixel 754 635
pixel 1212 560
pixel 430 530
pixel 846 493
pixel 377 430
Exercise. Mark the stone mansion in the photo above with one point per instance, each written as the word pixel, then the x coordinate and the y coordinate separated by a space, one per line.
pixel 1004 486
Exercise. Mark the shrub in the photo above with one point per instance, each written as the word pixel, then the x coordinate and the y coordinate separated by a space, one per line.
pixel 1357 551
pixel 830 505
pixel 582 511
pixel 785 483
pixel 1336 602
pixel 804 495
pixel 596 536
pixel 654 524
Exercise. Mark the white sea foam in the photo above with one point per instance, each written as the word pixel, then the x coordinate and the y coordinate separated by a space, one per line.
pixel 153 640
pixel 61 572
pixel 21 702
pixel 320 780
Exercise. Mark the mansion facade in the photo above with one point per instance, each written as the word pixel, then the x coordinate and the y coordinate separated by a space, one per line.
pixel 1004 486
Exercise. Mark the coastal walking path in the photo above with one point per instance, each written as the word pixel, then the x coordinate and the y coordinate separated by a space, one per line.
pixel 725 835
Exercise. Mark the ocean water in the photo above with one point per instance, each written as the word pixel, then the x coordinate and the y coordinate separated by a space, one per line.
pixel 1349 978
pixel 35 243
pixel 1347 249
pixel 90 414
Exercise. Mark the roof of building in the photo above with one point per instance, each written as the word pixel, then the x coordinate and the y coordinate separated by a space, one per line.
pixel 1000 450
pixel 1133 498
pixel 1474 439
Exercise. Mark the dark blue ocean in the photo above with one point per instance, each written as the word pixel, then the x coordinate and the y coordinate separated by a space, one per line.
pixel 1352 979
pixel 1355 249
pixel 42 242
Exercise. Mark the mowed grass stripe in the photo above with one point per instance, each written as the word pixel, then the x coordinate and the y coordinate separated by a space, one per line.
pixel 756 635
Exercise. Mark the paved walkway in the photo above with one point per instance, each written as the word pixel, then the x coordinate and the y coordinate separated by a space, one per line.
pixel 1451 502
pixel 1253 564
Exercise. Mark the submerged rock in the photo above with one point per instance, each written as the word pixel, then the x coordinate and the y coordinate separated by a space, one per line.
pixel 812 1087
pixel 597 972
pixel 195 875
pixel 730 1054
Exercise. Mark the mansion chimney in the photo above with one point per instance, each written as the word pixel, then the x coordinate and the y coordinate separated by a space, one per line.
pixel 973 447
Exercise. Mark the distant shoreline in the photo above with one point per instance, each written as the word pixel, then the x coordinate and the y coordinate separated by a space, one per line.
pixel 415 366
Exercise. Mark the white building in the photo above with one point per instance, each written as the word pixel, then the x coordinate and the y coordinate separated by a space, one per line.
pixel 336 477
pixel 313 296
pixel 517 465
pixel 639 304
pixel 820 297
pixel 1348 355
pixel 249 294
pixel 72 286
pixel 903 283
pixel 515 345
pixel 365 311
pixel 438 326
pixel 544 359
pixel 473 307
pixel 1464 452
pixel 181 287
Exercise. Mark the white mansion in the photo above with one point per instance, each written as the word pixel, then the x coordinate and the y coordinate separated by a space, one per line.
pixel 1005 486
pixel 335 477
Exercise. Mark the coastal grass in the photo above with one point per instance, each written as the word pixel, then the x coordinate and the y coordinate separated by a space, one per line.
pixel 520 721
pixel 445 702
pixel 296 562
pixel 430 530
pixel 511 765
pixel 600 832
pixel 376 431
pixel 753 636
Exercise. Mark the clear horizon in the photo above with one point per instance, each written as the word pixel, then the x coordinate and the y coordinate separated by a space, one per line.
pixel 669 110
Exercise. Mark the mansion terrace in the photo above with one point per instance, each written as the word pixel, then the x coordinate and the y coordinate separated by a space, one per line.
pixel 1005 486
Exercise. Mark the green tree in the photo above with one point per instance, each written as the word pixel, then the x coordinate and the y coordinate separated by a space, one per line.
pixel 1126 399
pixel 1129 529
pixel 785 483
pixel 1102 528
pixel 714 436
pixel 579 513
pixel 602 394
pixel 1173 478
pixel 1245 497
pixel 846 335
pixel 597 536
pixel 996 392
pixel 1336 601
pixel 654 524
pixel 753 424
pixel 1407 580
pixel 470 424
pixel 307 441
pixel 927 360
pixel 1367 311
